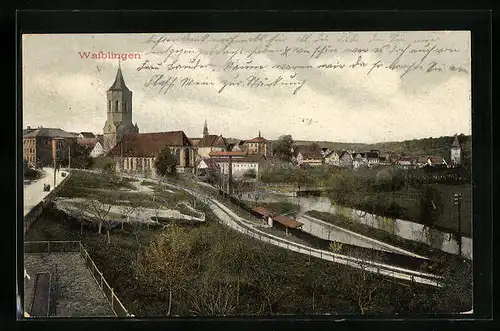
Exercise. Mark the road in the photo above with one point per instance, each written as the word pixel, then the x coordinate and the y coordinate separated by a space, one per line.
pixel 34 193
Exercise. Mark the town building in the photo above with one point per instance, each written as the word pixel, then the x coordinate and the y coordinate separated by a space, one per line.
pixel 436 161
pixel 372 158
pixel 359 160
pixel 346 159
pixel 210 143
pixel 207 166
pixel 119 113
pixel 258 145
pixel 224 154
pixel 325 151
pixel 241 165
pixel 239 147
pixel 332 158
pixel 37 146
pixel 456 153
pixel 310 157
pixel 136 152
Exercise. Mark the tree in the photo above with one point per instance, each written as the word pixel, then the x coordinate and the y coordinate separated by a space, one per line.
pixel 168 259
pixel 284 147
pixel 299 177
pixel 165 163
pixel 362 286
pixel 81 158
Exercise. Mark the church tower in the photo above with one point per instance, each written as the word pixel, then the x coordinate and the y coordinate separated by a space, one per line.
pixel 205 129
pixel 456 153
pixel 119 112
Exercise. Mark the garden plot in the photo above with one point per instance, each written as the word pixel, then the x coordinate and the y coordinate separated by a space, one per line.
pixel 94 210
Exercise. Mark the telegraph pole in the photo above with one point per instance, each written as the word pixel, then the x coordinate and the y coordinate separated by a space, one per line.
pixel 54 156
pixel 229 177
pixel 458 203
pixel 69 158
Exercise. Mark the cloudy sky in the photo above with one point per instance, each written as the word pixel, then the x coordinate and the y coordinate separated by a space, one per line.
pixel 379 99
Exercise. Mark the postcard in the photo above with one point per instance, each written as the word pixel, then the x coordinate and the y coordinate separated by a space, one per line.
pixel 247 174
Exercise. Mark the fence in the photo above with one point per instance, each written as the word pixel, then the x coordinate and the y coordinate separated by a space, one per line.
pixel 380 268
pixel 37 210
pixel 76 246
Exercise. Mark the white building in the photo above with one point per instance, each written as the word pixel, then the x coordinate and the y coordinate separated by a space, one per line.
pixel 241 165
pixel 332 158
pixel 98 150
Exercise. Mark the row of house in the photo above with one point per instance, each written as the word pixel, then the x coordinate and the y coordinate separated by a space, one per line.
pixel 350 159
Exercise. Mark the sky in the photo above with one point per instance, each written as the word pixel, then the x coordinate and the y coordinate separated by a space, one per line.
pixel 63 88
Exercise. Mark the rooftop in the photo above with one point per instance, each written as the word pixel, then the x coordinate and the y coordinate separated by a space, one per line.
pixel 49 132
pixel 119 83
pixel 149 144
pixel 287 221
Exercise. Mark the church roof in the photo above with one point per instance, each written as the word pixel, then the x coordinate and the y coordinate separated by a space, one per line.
pixel 456 143
pixel 119 83
pixel 149 144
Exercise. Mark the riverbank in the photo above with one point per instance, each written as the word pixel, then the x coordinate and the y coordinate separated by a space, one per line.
pixel 381 235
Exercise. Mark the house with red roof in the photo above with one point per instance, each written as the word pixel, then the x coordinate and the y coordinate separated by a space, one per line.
pixel 258 145
pixel 136 152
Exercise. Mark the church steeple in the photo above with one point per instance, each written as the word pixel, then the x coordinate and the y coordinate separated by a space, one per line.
pixel 119 112
pixel 119 84
pixel 205 129
pixel 456 143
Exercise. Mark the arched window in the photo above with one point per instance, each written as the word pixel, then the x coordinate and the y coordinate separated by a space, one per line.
pixel 116 106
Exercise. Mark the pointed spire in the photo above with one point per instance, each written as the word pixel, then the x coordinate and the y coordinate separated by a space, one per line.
pixel 119 83
pixel 205 129
pixel 456 143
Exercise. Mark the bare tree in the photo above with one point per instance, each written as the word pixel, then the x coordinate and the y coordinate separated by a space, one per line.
pixel 168 260
pixel 213 297
pixel 362 285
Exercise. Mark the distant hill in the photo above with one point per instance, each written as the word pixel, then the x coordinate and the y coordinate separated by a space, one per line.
pixel 333 145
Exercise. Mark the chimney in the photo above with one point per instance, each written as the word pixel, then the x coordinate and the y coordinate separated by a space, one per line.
pixel 28 127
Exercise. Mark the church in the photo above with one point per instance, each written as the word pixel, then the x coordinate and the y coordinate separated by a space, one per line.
pixel 135 152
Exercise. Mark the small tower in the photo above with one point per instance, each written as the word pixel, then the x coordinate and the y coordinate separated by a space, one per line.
pixel 456 153
pixel 259 133
pixel 205 129
pixel 119 112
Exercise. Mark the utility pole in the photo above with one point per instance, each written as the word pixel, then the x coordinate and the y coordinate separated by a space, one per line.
pixel 54 156
pixel 69 157
pixel 458 203
pixel 230 177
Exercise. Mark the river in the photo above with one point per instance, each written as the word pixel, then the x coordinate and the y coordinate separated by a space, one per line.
pixel 402 228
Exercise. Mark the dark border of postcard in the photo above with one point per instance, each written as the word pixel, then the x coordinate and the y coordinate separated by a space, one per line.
pixel 478 22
